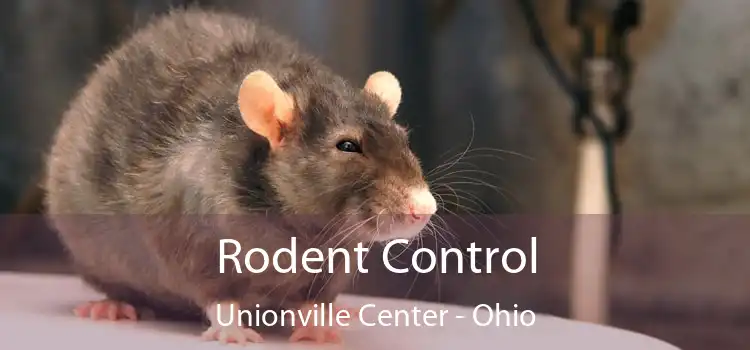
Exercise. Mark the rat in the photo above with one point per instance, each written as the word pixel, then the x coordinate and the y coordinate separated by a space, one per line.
pixel 205 125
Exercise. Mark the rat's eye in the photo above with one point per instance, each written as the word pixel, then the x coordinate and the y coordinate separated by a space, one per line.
pixel 349 146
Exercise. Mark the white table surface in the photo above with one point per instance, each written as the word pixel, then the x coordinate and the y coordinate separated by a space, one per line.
pixel 36 313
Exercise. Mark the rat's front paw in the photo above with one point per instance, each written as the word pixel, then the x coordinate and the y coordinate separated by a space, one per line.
pixel 106 310
pixel 232 334
pixel 318 334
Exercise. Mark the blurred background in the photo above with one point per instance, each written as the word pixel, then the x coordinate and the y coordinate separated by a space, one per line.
pixel 471 74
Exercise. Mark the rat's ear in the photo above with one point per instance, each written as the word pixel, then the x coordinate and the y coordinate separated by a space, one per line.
pixel 265 108
pixel 384 85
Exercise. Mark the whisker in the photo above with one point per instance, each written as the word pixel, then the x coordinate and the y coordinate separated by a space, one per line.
pixel 330 274
pixel 474 182
pixel 457 203
pixel 451 164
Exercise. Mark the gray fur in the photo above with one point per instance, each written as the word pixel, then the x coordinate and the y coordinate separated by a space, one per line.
pixel 152 165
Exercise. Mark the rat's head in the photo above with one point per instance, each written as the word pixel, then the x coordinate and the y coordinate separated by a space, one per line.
pixel 341 156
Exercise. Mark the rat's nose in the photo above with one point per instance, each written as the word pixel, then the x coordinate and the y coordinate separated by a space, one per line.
pixel 422 204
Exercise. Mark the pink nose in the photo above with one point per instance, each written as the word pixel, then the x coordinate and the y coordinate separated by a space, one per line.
pixel 422 204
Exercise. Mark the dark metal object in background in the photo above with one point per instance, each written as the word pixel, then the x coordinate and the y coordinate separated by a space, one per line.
pixel 604 25
pixel 604 28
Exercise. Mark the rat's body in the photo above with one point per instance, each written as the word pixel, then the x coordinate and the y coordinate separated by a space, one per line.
pixel 155 133
pixel 204 113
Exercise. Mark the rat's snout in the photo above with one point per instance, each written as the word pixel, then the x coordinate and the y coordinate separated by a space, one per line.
pixel 409 217
pixel 422 205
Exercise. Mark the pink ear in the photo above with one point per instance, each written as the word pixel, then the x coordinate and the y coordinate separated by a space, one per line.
pixel 384 85
pixel 265 108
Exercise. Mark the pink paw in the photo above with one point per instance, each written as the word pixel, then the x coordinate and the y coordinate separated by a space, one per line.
pixel 321 333
pixel 106 310
pixel 318 334
pixel 232 334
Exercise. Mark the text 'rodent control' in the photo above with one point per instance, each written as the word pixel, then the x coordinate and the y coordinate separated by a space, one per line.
pixel 424 260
